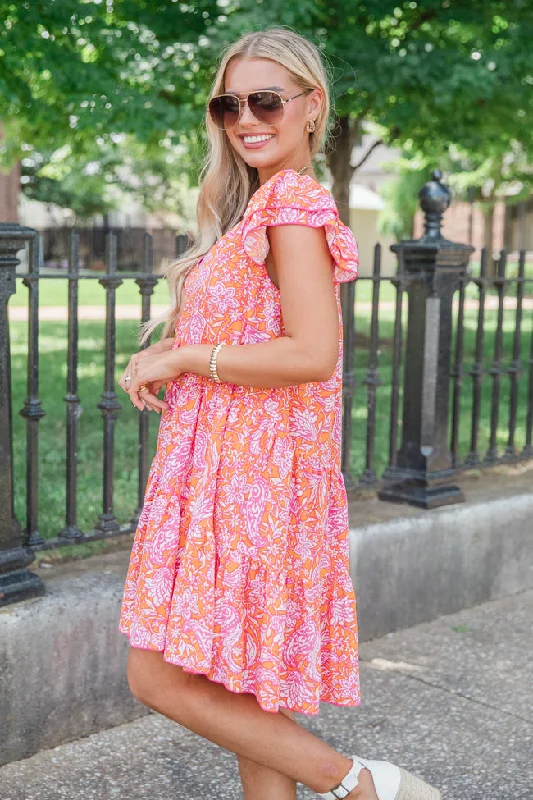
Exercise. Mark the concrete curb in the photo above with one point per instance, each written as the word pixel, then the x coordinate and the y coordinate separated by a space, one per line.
pixel 62 659
pixel 415 569
pixel 62 662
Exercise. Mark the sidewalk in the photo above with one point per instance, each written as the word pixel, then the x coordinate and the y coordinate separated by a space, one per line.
pixel 130 311
pixel 451 700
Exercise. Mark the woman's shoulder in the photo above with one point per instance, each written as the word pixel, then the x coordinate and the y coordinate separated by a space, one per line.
pixel 290 188
pixel 288 198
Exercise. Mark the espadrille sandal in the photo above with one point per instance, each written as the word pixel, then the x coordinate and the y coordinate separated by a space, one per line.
pixel 391 782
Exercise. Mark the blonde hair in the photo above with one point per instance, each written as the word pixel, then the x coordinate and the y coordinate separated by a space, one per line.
pixel 226 181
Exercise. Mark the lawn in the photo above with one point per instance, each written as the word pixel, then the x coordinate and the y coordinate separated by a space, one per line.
pixel 91 360
pixel 52 371
pixel 53 292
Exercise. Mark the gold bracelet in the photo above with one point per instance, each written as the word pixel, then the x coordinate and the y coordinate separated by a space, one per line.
pixel 213 362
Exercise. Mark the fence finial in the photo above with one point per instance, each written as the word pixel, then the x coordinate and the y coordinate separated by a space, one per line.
pixel 435 198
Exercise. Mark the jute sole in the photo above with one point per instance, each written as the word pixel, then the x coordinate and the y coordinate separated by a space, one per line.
pixel 412 788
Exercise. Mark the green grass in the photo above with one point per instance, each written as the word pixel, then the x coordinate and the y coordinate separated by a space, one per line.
pixel 359 414
pixel 53 292
pixel 52 347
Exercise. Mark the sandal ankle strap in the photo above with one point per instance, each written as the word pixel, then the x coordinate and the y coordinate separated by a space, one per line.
pixel 348 783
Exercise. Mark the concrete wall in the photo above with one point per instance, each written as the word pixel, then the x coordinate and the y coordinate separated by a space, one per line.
pixel 408 571
pixel 62 659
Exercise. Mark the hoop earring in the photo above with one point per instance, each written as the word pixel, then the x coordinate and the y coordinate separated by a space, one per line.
pixel 310 126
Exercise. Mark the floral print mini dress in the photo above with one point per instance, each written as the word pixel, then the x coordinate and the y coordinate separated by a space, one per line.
pixel 239 568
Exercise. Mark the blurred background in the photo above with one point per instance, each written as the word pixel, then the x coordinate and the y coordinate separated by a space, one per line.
pixel 102 106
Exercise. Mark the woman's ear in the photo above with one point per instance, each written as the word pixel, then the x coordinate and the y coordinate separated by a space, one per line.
pixel 314 103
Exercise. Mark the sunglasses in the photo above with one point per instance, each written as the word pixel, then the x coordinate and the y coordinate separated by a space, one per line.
pixel 266 106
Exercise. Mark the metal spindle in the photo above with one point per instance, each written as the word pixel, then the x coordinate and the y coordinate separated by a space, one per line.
pixel 146 288
pixel 33 410
pixel 457 374
pixel 476 373
pixel 372 380
pixel 73 408
pixel 109 403
pixel 399 283
pixel 496 366
pixel 515 367
pixel 16 581
pixel 349 380
pixel 528 448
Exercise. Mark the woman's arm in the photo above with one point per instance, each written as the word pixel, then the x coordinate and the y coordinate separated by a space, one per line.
pixel 309 350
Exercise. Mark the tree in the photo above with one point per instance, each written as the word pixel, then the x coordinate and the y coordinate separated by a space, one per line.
pixel 96 181
pixel 77 74
pixel 427 75
pixel 72 70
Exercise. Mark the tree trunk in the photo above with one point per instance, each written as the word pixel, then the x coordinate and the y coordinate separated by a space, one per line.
pixel 341 173
pixel 9 191
pixel 339 164
pixel 488 235
pixel 9 194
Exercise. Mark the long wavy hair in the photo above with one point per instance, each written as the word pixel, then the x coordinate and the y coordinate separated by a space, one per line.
pixel 226 181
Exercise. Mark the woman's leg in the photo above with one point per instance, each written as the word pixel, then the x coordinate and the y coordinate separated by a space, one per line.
pixel 263 783
pixel 237 723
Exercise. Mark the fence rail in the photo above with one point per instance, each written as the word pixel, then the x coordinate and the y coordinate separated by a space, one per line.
pixel 422 354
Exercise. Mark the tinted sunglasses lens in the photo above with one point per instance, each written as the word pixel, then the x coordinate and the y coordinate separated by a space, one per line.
pixel 266 106
pixel 224 110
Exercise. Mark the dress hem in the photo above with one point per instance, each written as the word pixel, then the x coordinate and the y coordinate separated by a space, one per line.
pixel 323 699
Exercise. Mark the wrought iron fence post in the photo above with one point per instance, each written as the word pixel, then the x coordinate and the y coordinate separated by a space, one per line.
pixel 16 580
pixel 423 474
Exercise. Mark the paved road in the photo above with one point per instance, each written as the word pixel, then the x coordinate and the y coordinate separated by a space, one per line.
pixel 450 699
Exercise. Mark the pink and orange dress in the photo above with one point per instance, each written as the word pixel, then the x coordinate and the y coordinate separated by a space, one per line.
pixel 239 568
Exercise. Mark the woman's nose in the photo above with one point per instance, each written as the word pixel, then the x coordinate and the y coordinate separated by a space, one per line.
pixel 246 115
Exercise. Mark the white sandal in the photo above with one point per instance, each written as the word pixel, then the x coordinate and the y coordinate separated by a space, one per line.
pixel 391 782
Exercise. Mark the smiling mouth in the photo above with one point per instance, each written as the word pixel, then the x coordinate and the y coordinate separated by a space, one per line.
pixel 256 136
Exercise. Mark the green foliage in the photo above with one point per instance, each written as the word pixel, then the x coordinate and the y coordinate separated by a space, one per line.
pixel 81 72
pixel 72 70
pixel 401 196
pixel 437 71
pixel 95 180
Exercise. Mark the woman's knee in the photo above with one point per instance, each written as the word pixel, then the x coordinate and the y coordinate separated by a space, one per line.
pixel 150 677
pixel 140 681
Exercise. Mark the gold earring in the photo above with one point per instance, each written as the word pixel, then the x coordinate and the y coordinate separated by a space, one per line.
pixel 311 125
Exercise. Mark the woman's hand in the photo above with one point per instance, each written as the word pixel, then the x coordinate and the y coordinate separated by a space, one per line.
pixel 152 372
pixel 150 398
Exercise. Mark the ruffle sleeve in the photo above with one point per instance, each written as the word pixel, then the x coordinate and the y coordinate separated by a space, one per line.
pixel 292 199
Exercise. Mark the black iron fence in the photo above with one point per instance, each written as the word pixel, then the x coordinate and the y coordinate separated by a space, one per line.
pixel 56 243
pixel 442 353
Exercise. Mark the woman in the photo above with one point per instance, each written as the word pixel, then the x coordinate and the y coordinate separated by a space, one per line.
pixel 238 602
